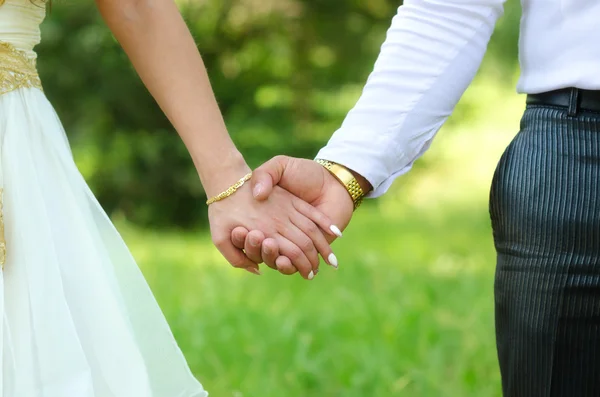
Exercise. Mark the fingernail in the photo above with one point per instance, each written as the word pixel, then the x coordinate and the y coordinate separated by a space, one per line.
pixel 311 275
pixel 335 230
pixel 257 190
pixel 254 271
pixel 332 259
pixel 254 242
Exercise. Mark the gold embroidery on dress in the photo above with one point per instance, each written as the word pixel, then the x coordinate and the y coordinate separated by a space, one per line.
pixel 2 240
pixel 16 70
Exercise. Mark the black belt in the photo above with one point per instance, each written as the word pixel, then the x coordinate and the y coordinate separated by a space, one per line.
pixel 573 99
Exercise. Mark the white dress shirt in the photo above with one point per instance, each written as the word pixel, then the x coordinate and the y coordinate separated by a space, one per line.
pixel 431 54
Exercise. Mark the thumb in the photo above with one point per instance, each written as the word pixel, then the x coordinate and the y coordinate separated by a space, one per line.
pixel 268 175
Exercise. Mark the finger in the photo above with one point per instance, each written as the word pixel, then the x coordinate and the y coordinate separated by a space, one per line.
pixel 296 255
pixel 233 255
pixel 270 252
pixel 252 246
pixel 318 217
pixel 301 240
pixel 266 176
pixel 284 265
pixel 238 237
pixel 318 239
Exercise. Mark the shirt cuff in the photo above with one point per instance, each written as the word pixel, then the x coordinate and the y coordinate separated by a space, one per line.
pixel 369 165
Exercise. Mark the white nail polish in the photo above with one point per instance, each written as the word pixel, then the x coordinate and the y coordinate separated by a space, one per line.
pixel 332 259
pixel 335 230
pixel 311 275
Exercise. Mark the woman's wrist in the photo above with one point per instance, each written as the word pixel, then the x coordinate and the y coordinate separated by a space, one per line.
pixel 220 173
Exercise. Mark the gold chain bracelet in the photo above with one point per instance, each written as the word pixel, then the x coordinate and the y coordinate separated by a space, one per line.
pixel 230 190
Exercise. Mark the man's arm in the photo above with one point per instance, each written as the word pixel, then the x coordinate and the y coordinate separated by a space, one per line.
pixel 431 54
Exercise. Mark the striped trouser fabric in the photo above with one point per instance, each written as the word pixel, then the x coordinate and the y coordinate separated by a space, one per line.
pixel 545 210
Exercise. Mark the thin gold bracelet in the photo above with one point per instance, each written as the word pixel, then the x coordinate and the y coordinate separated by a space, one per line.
pixel 230 190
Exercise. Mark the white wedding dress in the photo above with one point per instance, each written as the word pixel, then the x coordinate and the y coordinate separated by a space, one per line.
pixel 77 318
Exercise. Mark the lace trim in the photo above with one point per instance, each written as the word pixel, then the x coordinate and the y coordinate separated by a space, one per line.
pixel 16 69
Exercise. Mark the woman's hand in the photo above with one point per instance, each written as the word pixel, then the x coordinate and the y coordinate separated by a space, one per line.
pixel 163 52
pixel 306 180
pixel 296 226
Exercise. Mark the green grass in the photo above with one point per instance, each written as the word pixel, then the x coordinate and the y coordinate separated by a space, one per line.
pixel 409 312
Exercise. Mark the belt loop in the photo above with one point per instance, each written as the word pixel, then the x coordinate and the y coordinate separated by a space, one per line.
pixel 573 102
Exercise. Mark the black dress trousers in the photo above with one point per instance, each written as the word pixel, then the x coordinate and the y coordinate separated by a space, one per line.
pixel 545 211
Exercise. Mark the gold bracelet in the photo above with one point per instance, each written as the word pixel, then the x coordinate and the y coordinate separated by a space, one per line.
pixel 230 190
pixel 346 178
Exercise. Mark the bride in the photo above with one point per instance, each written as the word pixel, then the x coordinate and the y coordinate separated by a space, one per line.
pixel 77 318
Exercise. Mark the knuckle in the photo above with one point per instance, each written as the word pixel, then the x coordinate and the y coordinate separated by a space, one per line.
pixel 238 234
pixel 295 254
pixel 307 245
pixel 269 248
pixel 236 239
pixel 312 229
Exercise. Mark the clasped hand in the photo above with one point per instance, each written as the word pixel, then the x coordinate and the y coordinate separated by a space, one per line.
pixel 287 215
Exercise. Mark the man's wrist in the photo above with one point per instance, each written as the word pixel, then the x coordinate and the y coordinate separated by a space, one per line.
pixel 362 181
pixel 355 188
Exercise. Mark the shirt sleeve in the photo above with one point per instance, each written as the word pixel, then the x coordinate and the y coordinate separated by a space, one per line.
pixel 431 54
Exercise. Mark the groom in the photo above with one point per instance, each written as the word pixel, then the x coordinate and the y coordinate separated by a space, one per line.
pixel 544 200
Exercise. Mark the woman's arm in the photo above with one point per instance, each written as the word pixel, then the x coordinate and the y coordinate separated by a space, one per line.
pixel 162 50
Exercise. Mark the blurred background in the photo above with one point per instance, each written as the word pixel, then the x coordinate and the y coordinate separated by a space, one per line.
pixel 409 312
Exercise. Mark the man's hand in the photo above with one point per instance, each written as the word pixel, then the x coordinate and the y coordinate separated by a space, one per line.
pixel 306 180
